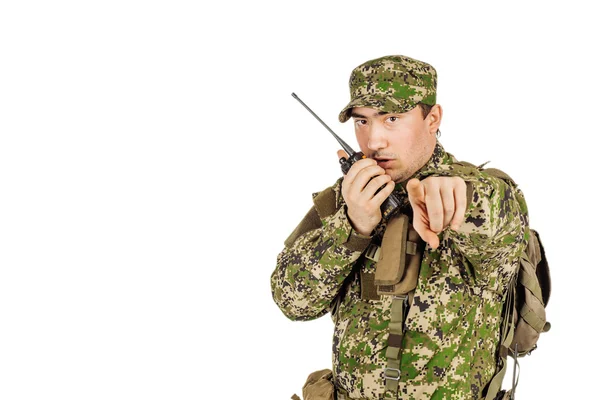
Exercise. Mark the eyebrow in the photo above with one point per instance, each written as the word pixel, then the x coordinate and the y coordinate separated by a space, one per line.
pixel 356 115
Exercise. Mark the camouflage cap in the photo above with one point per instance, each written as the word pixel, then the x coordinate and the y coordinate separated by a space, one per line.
pixel 391 84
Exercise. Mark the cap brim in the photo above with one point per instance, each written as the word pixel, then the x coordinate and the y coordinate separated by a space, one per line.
pixel 383 103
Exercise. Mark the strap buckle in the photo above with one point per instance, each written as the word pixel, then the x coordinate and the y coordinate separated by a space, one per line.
pixel 403 297
pixel 372 252
pixel 387 376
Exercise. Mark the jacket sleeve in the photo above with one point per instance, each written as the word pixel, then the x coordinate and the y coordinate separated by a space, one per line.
pixel 317 258
pixel 495 229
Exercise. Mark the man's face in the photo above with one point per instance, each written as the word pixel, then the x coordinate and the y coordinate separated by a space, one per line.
pixel 400 143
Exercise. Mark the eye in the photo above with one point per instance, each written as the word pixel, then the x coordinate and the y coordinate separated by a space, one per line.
pixel 360 122
pixel 392 119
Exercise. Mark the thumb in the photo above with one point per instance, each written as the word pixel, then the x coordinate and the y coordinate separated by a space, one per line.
pixel 431 238
pixel 342 153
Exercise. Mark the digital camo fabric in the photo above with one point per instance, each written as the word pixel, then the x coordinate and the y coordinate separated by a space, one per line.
pixel 452 327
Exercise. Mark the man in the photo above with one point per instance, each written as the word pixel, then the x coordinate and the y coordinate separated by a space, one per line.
pixel 474 226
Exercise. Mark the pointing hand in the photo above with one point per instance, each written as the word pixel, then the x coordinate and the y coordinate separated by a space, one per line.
pixel 437 202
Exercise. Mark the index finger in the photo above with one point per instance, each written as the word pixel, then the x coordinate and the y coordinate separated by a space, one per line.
pixel 415 190
pixel 357 167
pixel 342 153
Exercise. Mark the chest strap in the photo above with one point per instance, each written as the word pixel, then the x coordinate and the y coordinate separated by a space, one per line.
pixel 393 352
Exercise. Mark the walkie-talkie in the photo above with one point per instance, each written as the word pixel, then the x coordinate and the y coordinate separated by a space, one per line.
pixel 391 205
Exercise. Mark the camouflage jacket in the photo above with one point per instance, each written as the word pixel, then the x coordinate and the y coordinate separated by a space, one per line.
pixel 452 327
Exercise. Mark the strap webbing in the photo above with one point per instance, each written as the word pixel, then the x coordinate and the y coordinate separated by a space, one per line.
pixel 396 326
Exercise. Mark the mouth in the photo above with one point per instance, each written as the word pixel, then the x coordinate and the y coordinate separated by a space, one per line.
pixel 384 162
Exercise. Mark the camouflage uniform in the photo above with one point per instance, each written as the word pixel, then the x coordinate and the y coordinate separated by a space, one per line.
pixel 452 327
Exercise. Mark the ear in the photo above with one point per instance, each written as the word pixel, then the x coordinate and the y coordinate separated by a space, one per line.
pixel 434 119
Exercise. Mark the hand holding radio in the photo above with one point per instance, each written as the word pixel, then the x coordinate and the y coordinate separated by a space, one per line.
pixel 362 194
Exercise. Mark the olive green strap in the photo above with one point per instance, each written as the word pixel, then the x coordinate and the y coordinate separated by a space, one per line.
pixel 396 326
pixel 496 383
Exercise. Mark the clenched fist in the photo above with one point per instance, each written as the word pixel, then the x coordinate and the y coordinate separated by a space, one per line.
pixel 361 182
pixel 437 202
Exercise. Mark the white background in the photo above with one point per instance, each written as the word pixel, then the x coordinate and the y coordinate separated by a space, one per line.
pixel 152 162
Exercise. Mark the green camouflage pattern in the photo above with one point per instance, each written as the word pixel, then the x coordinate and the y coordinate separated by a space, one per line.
pixel 394 84
pixel 452 328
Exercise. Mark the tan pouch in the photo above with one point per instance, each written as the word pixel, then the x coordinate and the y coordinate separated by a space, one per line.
pixel 318 386
pixel 400 257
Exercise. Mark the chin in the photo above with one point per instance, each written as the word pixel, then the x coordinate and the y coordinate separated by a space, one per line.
pixel 398 177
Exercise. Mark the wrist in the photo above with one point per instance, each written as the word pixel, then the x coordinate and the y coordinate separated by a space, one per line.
pixel 363 232
pixel 358 228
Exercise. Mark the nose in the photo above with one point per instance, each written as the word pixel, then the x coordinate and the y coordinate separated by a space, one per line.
pixel 377 137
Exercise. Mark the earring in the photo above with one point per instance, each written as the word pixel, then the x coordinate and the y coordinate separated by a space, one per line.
pixel 438 134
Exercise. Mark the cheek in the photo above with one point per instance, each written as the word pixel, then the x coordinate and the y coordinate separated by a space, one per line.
pixel 363 142
pixel 405 145
pixel 409 147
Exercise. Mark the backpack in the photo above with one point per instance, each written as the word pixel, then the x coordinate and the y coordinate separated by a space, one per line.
pixel 524 313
